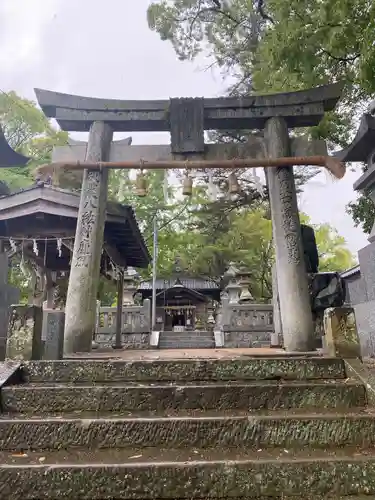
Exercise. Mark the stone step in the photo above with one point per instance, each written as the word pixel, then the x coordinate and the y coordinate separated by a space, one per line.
pixel 171 340
pixel 186 345
pixel 193 473
pixel 190 340
pixel 186 335
pixel 163 396
pixel 236 368
pixel 250 430
pixel 195 333
pixel 183 342
pixel 187 338
pixel 178 336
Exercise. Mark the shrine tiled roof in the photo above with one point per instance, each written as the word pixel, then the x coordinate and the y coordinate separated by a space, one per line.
pixel 350 272
pixel 188 282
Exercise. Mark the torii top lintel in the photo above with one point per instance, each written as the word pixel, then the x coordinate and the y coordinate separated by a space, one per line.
pixel 300 109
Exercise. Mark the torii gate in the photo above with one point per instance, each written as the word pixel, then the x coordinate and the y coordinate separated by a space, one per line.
pixel 187 119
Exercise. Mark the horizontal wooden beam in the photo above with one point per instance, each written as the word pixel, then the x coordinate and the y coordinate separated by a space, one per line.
pixel 299 109
pixel 332 164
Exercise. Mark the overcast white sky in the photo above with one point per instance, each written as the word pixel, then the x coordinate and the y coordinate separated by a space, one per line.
pixel 105 49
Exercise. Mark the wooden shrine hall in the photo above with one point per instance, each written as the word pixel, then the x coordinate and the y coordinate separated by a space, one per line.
pixel 182 302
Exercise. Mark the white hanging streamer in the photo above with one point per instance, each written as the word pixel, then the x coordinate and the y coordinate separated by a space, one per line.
pixel 59 245
pixel 35 248
pixel 23 265
pixel 113 267
pixel 13 245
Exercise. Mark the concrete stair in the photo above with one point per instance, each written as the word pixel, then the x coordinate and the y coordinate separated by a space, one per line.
pixel 186 340
pixel 253 428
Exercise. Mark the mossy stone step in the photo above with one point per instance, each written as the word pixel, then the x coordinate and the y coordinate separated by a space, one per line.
pixel 158 397
pixel 168 475
pixel 252 431
pixel 81 371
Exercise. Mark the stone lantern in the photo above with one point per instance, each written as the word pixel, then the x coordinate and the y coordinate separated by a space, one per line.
pixel 210 317
pixel 233 289
pixel 244 284
pixel 130 286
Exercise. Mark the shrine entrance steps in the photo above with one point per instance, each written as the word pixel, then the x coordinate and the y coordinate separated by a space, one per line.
pixel 265 427
pixel 187 340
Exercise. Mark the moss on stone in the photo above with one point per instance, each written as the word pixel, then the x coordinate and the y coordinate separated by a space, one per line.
pixel 79 371
pixel 161 397
pixel 250 479
pixel 251 432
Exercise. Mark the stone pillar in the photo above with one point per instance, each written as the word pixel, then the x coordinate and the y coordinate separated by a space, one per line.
pixel 295 308
pixel 53 325
pixel 85 267
pixel 277 333
pixel 120 292
pixel 94 344
pixel 8 295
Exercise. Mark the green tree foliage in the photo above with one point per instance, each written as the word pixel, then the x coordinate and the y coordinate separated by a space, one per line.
pixel 207 235
pixel 333 252
pixel 29 132
pixel 280 45
pixel 362 211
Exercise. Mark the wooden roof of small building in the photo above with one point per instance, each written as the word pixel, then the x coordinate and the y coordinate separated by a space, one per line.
pixel 199 283
pixel 179 293
pixel 44 212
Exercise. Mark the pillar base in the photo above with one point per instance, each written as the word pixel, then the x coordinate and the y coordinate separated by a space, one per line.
pixel 94 345
pixel 117 347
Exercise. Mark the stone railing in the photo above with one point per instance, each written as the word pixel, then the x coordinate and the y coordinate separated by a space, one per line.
pixel 246 325
pixel 135 319
pixel 135 325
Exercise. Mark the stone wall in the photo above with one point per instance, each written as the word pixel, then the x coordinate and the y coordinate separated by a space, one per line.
pixel 25 333
pixel 247 339
pixel 245 325
pixel 136 341
pixel 355 289
pixel 360 290
pixel 136 321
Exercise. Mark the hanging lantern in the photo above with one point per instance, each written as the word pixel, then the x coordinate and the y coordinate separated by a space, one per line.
pixel 187 186
pixel 141 185
pixel 233 186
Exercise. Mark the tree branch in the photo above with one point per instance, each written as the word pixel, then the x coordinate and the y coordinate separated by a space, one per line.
pixel 341 59
pixel 262 13
pixel 217 9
